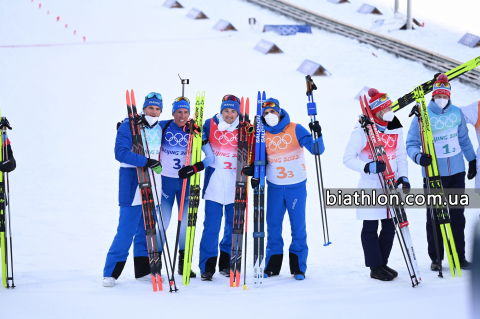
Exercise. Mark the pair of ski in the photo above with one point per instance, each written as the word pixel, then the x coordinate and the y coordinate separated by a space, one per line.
pixel 427 87
pixel 194 193
pixel 240 213
pixel 149 206
pixel 259 197
pixel 5 219
pixel 388 184
pixel 439 214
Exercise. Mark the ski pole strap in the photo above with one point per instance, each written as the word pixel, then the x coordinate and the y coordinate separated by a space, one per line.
pixel 258 234
pixel 260 163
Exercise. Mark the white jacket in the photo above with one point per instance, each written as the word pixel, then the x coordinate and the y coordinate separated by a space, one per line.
pixel 357 154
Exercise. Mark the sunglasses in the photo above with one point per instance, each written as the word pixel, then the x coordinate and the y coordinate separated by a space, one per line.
pixel 155 95
pixel 384 97
pixel 269 104
pixel 182 98
pixel 444 84
pixel 230 97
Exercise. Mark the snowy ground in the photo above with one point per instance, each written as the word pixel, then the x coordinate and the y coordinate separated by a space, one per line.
pixel 445 22
pixel 64 102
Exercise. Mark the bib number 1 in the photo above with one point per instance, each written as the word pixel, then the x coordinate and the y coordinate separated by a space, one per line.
pixel 447 150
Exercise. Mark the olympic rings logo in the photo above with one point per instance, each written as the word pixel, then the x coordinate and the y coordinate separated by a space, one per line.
pixel 280 142
pixel 225 138
pixel 388 140
pixel 176 139
pixel 443 121
pixel 290 30
pixel 152 136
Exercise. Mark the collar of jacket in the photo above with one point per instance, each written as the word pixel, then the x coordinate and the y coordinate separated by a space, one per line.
pixel 438 110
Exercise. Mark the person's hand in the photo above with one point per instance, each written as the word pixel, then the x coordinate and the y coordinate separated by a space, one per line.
pixel 187 171
pixel 376 167
pixel 154 165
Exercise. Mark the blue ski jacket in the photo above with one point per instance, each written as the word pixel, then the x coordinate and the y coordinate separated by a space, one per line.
pixel 128 180
pixel 448 165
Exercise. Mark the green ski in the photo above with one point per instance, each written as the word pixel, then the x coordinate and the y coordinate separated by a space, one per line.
pixel 194 193
pixel 434 184
pixel 427 87
pixel 5 222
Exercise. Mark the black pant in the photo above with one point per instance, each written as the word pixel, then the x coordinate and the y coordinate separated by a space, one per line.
pixel 377 248
pixel 457 221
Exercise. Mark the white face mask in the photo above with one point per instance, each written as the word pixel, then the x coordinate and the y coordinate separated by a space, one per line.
pixel 151 120
pixel 441 103
pixel 271 119
pixel 388 117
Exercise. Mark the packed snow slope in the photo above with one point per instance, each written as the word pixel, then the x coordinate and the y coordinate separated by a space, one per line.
pixel 64 101
pixel 444 22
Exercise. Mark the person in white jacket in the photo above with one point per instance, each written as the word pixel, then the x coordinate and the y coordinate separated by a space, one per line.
pixel 221 131
pixel 358 157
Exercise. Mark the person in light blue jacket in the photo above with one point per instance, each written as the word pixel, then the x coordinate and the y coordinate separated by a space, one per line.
pixel 452 144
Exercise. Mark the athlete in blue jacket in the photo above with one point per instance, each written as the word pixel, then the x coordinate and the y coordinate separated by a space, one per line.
pixel 173 153
pixel 131 225
pixel 451 142
pixel 286 179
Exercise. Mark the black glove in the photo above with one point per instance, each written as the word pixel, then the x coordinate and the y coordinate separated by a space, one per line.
pixel 155 165
pixel 375 167
pixel 255 182
pixel 187 171
pixel 7 166
pixel 472 169
pixel 423 160
pixel 405 184
pixel 315 127
pixel 249 170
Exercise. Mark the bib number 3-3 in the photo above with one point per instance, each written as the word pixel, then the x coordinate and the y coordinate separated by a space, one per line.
pixel 282 174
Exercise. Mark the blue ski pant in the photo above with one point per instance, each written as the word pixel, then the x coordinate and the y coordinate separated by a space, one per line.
pixel 457 221
pixel 377 248
pixel 171 189
pixel 130 228
pixel 292 199
pixel 211 230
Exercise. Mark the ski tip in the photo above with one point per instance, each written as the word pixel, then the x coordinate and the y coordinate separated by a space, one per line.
pixel 154 283
pixel 160 284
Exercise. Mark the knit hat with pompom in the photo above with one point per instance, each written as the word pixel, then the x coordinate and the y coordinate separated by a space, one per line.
pixel 441 86
pixel 378 101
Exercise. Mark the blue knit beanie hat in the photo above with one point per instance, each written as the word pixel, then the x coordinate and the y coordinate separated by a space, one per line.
pixel 230 104
pixel 182 104
pixel 153 99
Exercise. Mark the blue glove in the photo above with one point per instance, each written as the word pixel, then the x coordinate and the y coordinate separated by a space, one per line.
pixel 405 184
pixel 375 167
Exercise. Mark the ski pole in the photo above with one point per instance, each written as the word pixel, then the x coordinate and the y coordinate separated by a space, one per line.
pixel 159 212
pixel 312 112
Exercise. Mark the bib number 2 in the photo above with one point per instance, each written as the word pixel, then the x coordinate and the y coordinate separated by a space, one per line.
pixel 282 174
